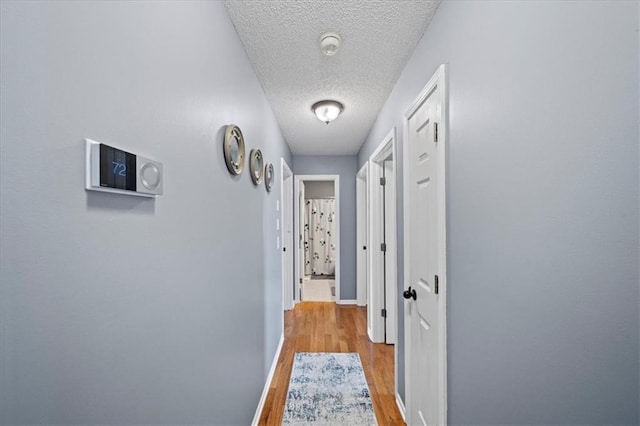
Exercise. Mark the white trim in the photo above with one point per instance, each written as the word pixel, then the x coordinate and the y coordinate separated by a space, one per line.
pixel 347 302
pixel 401 406
pixel 362 210
pixel 287 289
pixel 299 197
pixel 377 294
pixel 384 149
pixel 336 189
pixel 405 266
pixel 439 79
pixel 267 383
pixel 442 230
pixel 391 225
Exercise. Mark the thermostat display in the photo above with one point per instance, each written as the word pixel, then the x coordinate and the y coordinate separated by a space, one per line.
pixel 117 168
pixel 111 169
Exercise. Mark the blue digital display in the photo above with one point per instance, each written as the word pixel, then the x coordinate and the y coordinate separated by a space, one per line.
pixel 114 164
pixel 119 168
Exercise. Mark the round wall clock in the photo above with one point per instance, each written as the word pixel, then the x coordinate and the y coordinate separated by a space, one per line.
pixel 256 166
pixel 234 149
pixel 268 176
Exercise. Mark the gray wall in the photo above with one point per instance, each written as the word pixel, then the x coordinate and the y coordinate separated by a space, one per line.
pixel 318 189
pixel 345 166
pixel 542 207
pixel 116 309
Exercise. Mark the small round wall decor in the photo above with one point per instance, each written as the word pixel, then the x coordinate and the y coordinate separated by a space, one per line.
pixel 268 176
pixel 234 150
pixel 256 166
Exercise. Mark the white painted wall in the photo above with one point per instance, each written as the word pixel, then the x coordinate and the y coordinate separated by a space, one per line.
pixel 122 310
pixel 542 209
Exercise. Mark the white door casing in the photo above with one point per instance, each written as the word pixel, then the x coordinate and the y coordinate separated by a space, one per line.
pixel 391 257
pixel 286 219
pixel 299 214
pixel 382 291
pixel 425 125
pixel 361 224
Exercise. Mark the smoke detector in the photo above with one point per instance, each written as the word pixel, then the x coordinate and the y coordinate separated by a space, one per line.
pixel 330 43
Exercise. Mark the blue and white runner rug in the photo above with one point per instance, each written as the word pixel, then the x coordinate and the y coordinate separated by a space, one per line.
pixel 328 389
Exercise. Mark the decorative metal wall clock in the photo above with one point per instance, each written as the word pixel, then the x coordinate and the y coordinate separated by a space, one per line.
pixel 256 166
pixel 234 150
pixel 268 176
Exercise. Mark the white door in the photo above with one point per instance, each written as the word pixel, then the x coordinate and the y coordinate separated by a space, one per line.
pixel 287 236
pixel 382 243
pixel 361 237
pixel 425 299
pixel 390 259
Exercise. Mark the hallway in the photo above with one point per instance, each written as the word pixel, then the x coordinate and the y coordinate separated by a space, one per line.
pixel 134 308
pixel 327 327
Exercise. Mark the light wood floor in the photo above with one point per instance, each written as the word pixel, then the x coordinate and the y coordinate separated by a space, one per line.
pixel 328 327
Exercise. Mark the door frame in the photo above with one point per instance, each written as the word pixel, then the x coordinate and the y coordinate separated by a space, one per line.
pixel 378 294
pixel 286 219
pixel 362 213
pixel 439 79
pixel 336 190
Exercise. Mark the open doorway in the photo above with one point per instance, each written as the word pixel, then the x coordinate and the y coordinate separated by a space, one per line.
pixel 382 226
pixel 318 234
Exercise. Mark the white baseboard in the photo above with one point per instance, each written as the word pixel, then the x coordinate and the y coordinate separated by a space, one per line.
pixel 267 384
pixel 346 302
pixel 401 407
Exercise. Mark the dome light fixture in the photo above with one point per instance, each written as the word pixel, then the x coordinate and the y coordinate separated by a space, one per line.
pixel 328 110
pixel 330 43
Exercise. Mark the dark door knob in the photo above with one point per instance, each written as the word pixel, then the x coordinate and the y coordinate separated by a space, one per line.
pixel 410 293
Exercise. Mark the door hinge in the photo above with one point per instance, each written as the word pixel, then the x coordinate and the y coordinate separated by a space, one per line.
pixel 435 132
pixel 436 284
pixel 300 280
pixel 383 247
pixel 364 247
pixel 383 312
pixel 383 181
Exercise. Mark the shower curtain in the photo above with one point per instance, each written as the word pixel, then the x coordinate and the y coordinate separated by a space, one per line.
pixel 319 244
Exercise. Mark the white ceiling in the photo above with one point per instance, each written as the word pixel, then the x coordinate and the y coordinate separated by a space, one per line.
pixel 281 39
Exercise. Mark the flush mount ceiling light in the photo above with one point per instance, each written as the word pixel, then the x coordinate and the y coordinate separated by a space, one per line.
pixel 327 111
pixel 330 43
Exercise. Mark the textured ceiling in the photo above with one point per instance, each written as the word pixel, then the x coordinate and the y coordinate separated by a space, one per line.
pixel 281 39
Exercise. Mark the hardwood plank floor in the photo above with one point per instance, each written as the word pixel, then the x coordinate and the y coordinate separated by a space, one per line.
pixel 328 327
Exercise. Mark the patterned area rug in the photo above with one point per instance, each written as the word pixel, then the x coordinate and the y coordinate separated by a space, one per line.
pixel 328 389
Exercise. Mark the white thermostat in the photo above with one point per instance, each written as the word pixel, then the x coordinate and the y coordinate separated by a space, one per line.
pixel 109 169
